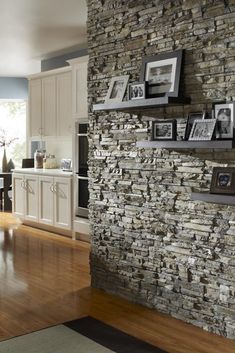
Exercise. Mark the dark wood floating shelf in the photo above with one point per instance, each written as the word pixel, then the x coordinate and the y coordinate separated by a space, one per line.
pixel 213 198
pixel 141 104
pixel 223 144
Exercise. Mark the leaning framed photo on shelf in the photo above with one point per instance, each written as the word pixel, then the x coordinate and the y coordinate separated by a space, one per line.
pixel 117 89
pixel 224 115
pixel 202 130
pixel 223 181
pixel 190 120
pixel 164 130
pixel 162 74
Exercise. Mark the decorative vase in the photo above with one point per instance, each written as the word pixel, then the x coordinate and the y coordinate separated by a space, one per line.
pixel 4 162
pixel 10 165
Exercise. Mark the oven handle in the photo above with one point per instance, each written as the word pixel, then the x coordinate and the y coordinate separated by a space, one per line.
pixel 82 177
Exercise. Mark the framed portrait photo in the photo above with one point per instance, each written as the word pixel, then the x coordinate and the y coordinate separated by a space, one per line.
pixel 191 118
pixel 223 181
pixel 224 114
pixel 163 130
pixel 117 89
pixel 162 74
pixel 136 90
pixel 202 130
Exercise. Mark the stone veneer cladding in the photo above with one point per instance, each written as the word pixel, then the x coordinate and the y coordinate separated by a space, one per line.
pixel 150 242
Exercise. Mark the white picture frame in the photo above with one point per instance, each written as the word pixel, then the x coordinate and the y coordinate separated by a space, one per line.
pixel 117 89
pixel 224 115
pixel 202 130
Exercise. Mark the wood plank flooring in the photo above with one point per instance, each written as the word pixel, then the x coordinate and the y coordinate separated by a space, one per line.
pixel 44 280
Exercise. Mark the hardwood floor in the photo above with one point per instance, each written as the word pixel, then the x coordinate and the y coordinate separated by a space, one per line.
pixel 44 280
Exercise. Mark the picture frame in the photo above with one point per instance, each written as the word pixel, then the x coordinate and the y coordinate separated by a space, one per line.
pixel 202 130
pixel 66 164
pixel 225 117
pixel 164 130
pixel 223 180
pixel 137 90
pixel 190 120
pixel 162 73
pixel 117 89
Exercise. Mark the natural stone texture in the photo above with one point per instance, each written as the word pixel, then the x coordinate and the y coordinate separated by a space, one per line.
pixel 150 242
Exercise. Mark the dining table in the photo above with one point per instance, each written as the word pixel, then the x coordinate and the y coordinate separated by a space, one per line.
pixel 7 182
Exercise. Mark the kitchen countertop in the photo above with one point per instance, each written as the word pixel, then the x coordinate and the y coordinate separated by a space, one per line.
pixel 48 172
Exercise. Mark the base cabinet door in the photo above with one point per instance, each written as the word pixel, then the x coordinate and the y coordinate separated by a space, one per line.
pixel 43 199
pixel 62 203
pixel 31 198
pixel 18 205
pixel 46 200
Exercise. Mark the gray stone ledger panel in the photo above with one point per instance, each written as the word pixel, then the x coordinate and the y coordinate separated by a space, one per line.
pixel 151 243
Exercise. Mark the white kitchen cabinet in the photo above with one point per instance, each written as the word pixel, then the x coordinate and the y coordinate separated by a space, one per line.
pixel 25 196
pixel 55 201
pixel 62 203
pixel 35 107
pixel 63 101
pixel 50 103
pixel 43 196
pixel 79 87
pixel 46 200
pixel 49 106
pixel 31 198
pixel 18 195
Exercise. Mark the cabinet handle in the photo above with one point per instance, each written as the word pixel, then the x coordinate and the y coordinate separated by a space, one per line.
pixel 23 184
pixel 52 188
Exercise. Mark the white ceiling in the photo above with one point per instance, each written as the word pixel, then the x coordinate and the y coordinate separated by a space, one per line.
pixel 32 30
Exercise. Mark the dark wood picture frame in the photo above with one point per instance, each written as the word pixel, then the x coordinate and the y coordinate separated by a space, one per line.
pixel 168 132
pixel 223 181
pixel 160 61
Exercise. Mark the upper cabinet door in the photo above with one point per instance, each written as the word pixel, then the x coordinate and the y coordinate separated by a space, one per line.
pixel 79 87
pixel 49 105
pixel 64 101
pixel 35 107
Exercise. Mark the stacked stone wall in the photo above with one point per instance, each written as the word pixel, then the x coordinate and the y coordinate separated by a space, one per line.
pixel 150 242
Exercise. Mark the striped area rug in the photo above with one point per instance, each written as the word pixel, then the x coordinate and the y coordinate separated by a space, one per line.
pixel 86 335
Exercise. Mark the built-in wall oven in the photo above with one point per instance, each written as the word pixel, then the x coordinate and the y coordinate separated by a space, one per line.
pixel 81 169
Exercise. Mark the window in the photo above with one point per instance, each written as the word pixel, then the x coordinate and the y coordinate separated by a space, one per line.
pixel 13 129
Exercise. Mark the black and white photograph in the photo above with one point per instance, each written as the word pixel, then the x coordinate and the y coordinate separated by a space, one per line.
pixel 190 120
pixel 117 89
pixel 224 114
pixel 223 180
pixel 202 130
pixel 136 90
pixel 163 130
pixel 162 74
